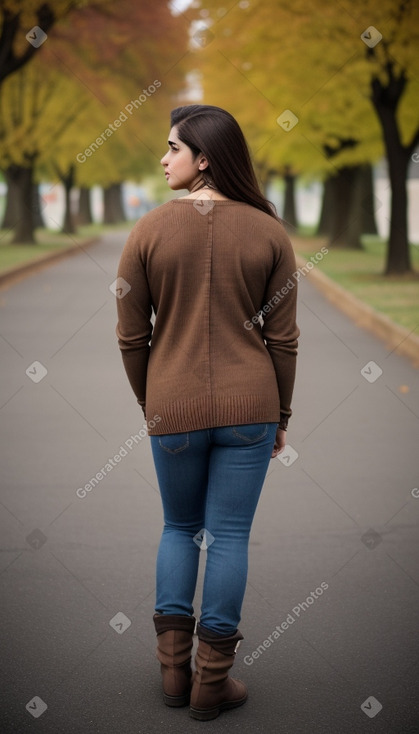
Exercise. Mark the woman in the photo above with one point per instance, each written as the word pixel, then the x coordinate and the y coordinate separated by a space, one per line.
pixel 215 267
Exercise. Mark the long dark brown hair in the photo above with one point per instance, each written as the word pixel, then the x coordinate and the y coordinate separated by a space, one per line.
pixel 215 133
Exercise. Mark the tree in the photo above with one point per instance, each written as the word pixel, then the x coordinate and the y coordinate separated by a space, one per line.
pixel 66 100
pixel 17 19
pixel 325 74
pixel 112 202
pixel 391 75
pixel 290 210
pixel 84 213
pixel 273 89
pixel 67 179
pixel 140 45
pixel 348 207
pixel 35 110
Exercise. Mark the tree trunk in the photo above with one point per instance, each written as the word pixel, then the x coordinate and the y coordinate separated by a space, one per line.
pixel 398 252
pixel 11 211
pixel 356 210
pixel 20 181
pixel 369 202
pixel 359 217
pixel 37 206
pixel 84 215
pixel 385 98
pixel 68 183
pixel 112 200
pixel 344 227
pixel 324 226
pixel 290 215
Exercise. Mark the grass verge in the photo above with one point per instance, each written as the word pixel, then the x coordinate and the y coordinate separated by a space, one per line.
pixel 361 273
pixel 48 241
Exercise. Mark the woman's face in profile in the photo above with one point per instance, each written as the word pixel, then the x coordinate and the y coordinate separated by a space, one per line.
pixel 180 169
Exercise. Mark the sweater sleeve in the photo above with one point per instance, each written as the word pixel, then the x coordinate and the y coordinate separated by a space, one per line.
pixel 134 308
pixel 280 330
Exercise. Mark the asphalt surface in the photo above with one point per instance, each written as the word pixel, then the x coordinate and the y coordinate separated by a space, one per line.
pixel 334 548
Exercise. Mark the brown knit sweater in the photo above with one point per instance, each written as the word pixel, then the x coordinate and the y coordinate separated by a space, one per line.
pixel 207 273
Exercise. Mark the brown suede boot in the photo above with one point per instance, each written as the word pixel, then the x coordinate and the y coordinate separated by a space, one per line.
pixel 212 690
pixel 174 647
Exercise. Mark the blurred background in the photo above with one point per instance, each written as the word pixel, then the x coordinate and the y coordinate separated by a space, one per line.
pixel 326 94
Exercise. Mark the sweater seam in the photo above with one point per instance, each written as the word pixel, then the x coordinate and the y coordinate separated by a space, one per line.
pixel 211 256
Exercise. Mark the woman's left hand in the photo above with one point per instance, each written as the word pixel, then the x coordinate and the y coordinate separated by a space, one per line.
pixel 280 441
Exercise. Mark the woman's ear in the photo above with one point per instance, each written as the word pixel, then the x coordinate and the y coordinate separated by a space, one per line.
pixel 203 162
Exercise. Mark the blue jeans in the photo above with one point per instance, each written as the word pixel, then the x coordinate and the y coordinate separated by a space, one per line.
pixel 209 480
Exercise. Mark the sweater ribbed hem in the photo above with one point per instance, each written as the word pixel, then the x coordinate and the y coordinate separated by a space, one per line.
pixel 197 414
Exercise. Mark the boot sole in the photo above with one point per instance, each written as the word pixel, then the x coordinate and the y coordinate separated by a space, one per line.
pixel 176 701
pixel 208 714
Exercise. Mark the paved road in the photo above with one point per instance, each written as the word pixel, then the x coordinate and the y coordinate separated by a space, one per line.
pixel 334 555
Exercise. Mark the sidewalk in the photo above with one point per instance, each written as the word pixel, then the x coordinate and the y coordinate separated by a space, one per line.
pixel 333 564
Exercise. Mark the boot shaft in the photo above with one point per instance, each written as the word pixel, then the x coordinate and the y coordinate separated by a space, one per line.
pixel 212 689
pixel 174 648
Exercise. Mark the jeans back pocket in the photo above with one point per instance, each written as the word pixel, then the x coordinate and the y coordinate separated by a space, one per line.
pixel 173 443
pixel 251 433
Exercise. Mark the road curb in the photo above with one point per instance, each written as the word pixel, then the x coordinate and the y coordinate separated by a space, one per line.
pixel 18 272
pixel 397 338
